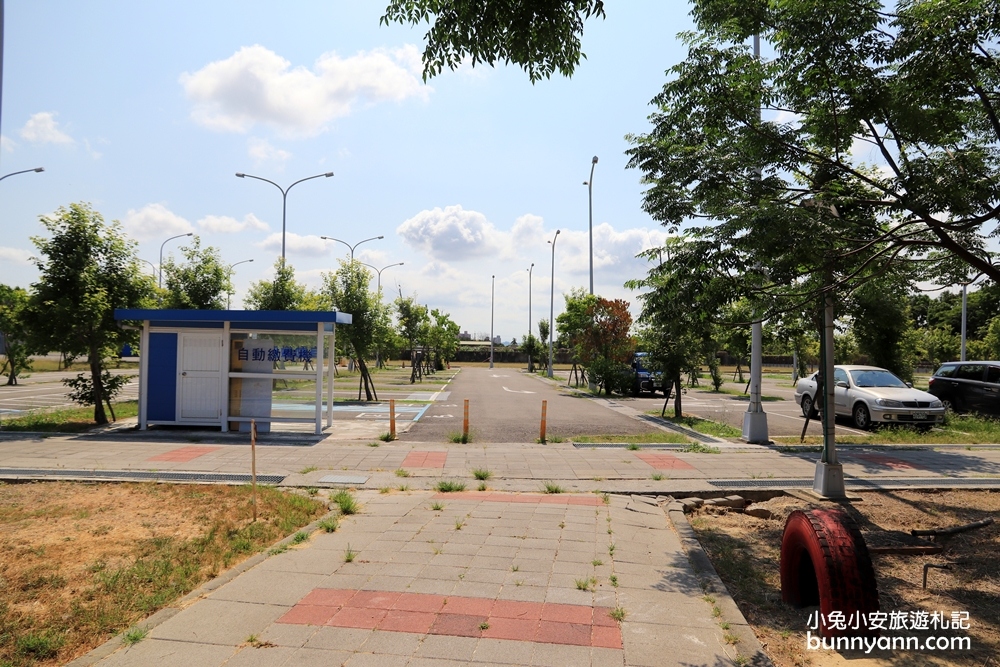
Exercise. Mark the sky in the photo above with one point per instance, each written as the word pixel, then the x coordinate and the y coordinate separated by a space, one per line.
pixel 147 111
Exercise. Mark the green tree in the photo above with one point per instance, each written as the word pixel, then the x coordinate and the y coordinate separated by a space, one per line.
pixel 540 37
pixel 882 326
pixel 283 292
pixel 348 291
pixel 443 335
pixel 17 354
pixel 88 269
pixel 413 322
pixel 573 323
pixel 201 282
pixel 532 347
pixel 543 330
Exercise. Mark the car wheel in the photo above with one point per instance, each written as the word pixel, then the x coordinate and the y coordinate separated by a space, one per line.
pixel 950 405
pixel 808 409
pixel 862 418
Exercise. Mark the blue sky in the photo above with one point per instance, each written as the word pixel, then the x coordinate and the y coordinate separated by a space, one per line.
pixel 148 110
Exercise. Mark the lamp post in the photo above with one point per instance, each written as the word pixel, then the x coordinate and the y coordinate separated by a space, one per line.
pixel 284 199
pixel 529 296
pixel 229 292
pixel 160 280
pixel 23 171
pixel 352 247
pixel 755 419
pixel 590 224
pixel 552 298
pixel 493 290
pixel 379 271
pixel 148 262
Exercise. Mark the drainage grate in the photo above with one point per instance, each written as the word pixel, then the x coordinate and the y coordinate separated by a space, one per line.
pixel 162 476
pixel 858 482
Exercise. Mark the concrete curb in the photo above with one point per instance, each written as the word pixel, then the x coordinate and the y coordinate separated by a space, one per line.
pixel 748 645
pixel 163 615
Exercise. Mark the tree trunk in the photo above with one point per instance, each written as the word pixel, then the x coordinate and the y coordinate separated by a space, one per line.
pixel 369 384
pixel 100 417
pixel 678 412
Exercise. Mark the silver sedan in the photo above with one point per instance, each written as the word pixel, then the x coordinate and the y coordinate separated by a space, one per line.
pixel 871 395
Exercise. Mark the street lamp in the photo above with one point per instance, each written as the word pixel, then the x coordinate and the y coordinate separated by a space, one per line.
pixel 552 298
pixel 529 296
pixel 352 247
pixel 229 292
pixel 379 271
pixel 160 281
pixel 590 225
pixel 23 171
pixel 150 264
pixel 492 294
pixel 284 199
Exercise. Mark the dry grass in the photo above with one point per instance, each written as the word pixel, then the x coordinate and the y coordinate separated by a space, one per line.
pixel 746 552
pixel 83 562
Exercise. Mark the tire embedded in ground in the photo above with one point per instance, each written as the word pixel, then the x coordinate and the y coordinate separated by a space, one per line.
pixel 825 563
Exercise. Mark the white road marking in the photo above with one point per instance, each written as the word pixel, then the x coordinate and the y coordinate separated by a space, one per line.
pixel 515 391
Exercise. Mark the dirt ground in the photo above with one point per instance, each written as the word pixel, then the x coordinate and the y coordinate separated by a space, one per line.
pixel 80 562
pixel 746 552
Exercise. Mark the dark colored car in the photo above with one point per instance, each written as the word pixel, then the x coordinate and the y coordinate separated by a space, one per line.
pixel 968 386
pixel 643 379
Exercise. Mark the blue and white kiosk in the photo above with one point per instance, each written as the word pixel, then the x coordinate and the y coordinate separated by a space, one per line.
pixel 218 367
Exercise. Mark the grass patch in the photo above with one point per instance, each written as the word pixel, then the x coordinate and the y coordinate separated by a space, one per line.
pixel 346 501
pixel 482 487
pixel 65 420
pixel 134 635
pixel 482 473
pixel 585 584
pixel 706 426
pixel 618 614
pixel 300 537
pixel 163 541
pixel 384 489
pixel 308 469
pixel 373 444
pixel 329 525
pixel 614 580
pixel 645 438
pixel 656 476
pixel 458 524
pixel 386 437
pixel 698 448
pixel 437 507
pixel 551 487
pixel 740 395
pixel 463 438
pixel 402 473
pixel 350 554
pixel 449 486
pixel 633 447
pixel 957 430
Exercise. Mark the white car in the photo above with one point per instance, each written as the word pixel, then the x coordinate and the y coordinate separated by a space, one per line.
pixel 871 395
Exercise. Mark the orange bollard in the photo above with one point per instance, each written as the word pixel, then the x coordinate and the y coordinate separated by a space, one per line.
pixel 541 438
pixel 392 418
pixel 465 422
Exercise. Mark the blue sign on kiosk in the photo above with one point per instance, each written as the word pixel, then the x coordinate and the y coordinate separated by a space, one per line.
pixel 219 367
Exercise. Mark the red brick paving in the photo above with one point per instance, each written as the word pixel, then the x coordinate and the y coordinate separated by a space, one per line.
pixel 458 616
pixel 418 459
pixel 183 455
pixel 589 500
pixel 887 461
pixel 664 461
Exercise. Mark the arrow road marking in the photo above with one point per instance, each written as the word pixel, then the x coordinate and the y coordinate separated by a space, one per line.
pixel 515 391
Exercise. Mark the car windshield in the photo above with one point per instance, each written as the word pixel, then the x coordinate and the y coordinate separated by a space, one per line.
pixel 876 379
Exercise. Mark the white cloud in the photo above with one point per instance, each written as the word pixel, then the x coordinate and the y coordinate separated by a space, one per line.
pixel 14 255
pixel 452 234
pixel 308 246
pixel 223 224
pixel 261 151
pixel 6 143
pixel 255 85
pixel 154 221
pixel 42 128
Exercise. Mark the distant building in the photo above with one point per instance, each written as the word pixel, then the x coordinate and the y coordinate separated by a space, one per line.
pixel 465 335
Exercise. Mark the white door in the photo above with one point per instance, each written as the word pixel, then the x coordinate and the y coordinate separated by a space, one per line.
pixel 200 377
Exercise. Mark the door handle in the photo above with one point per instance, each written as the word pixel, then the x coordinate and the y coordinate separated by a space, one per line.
pixel 184 373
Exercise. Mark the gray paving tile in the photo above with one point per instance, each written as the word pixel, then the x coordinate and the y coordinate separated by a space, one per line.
pixel 213 621
pixel 152 651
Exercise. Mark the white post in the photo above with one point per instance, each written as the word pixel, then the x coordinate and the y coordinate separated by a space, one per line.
pixel 319 378
pixel 329 376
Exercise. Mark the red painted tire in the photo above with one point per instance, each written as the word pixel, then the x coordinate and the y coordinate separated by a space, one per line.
pixel 825 562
